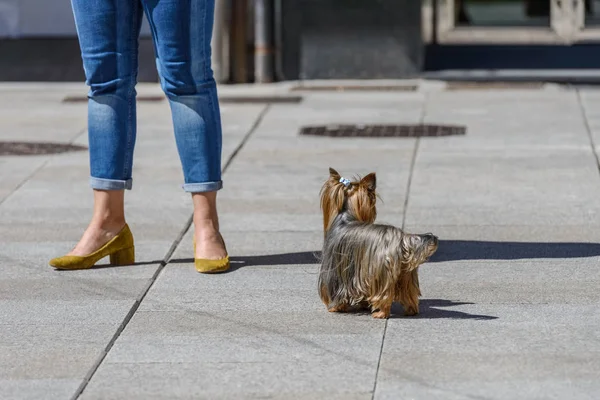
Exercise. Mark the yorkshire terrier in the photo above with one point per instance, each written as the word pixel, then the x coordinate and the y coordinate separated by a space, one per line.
pixel 366 265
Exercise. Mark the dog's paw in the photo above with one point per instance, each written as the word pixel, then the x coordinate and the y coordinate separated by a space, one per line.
pixel 381 315
pixel 410 312
pixel 339 308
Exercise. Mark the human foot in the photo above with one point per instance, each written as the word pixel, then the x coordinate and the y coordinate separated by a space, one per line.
pixel 95 236
pixel 209 242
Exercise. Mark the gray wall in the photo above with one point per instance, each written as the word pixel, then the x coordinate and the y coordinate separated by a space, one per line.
pixel 38 42
pixel 38 18
pixel 354 39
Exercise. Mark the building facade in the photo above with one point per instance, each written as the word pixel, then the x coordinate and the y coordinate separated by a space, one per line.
pixel 341 39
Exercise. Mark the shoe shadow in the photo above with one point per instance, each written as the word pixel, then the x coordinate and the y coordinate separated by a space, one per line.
pixel 108 265
pixel 435 308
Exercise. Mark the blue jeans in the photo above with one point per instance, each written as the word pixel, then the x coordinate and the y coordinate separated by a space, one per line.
pixel 108 32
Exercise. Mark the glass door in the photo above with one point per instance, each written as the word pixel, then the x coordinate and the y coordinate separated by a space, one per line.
pixel 505 21
pixel 587 20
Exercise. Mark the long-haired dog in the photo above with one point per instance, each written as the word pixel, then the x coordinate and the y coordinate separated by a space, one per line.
pixel 367 265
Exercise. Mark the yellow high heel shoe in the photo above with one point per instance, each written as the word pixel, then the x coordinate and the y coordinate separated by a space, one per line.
pixel 207 266
pixel 120 249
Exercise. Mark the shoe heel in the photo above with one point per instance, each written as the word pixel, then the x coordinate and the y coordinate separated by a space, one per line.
pixel 123 257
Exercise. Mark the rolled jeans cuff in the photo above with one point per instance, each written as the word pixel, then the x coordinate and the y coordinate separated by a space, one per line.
pixel 110 184
pixel 203 187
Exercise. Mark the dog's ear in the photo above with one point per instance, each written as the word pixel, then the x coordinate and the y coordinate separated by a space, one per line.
pixel 369 181
pixel 334 174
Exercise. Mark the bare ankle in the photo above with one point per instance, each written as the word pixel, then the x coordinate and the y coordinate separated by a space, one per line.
pixel 206 224
pixel 205 211
pixel 112 225
pixel 206 231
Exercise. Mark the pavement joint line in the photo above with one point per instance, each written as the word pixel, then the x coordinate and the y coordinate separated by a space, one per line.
pixel 408 185
pixel 412 165
pixel 588 129
pixel 38 169
pixel 374 391
pixel 24 181
pixel 413 161
pixel 91 372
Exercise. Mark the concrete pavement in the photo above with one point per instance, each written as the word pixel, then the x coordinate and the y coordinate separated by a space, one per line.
pixel 510 301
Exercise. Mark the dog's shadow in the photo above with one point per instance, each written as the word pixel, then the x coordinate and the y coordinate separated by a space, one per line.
pixel 429 309
pixel 435 308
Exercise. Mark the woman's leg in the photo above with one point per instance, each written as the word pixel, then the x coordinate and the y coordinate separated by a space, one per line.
pixel 182 33
pixel 209 243
pixel 108 33
pixel 108 219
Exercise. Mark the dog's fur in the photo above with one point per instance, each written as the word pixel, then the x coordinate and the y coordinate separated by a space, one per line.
pixel 364 264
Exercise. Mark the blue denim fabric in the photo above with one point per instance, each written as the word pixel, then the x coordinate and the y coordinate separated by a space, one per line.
pixel 108 32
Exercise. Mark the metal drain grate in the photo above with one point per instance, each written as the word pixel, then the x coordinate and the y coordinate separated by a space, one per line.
pixel 260 99
pixel 459 85
pixel 35 148
pixel 139 98
pixel 410 131
pixel 223 99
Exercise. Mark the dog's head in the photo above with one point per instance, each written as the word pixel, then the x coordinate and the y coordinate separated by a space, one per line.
pixel 416 249
pixel 358 197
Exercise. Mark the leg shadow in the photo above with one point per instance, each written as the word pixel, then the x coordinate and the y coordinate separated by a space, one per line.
pixel 108 265
pixel 306 257
pixel 456 250
pixel 449 250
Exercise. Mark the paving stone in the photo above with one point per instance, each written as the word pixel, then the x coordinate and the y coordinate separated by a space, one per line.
pixel 524 236
pixel 545 188
pixel 504 277
pixel 225 380
pixel 520 341
pixel 284 324
pixel 494 122
pixel 14 171
pixel 33 389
